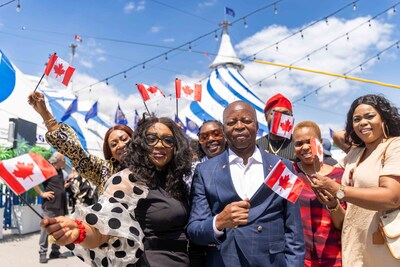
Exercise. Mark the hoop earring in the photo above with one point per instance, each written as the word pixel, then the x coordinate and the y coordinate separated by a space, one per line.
pixel 113 160
pixel 385 130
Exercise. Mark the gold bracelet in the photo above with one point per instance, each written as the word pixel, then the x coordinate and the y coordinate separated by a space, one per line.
pixel 50 122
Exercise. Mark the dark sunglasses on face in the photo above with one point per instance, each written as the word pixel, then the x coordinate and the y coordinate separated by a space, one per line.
pixel 153 139
pixel 301 143
pixel 215 134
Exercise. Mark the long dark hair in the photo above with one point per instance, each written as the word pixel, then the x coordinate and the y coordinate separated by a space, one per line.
pixel 138 161
pixel 388 112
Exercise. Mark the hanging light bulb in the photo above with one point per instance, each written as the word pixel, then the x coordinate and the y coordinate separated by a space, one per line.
pixel 276 77
pixel 378 56
pixel 216 36
pixel 394 9
pixel 347 36
pixel 166 57
pixel 124 75
pixel 304 99
pixel 369 23
pixel 326 21
pixel 308 57
pixel 316 92
pixel 301 34
pixel 143 66
pixel 330 85
pixel 354 6
pixel 276 47
pixel 275 9
pixel 245 23
pixel 361 68
pixel 397 44
pixel 18 9
pixel 190 47
pixel 259 84
pixel 326 47
pixel 106 81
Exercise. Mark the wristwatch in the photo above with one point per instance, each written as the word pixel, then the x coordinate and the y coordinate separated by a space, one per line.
pixel 340 192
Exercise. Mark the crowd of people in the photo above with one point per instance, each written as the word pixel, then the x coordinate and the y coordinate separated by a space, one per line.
pixel 164 200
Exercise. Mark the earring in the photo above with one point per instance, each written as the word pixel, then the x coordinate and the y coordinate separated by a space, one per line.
pixel 385 130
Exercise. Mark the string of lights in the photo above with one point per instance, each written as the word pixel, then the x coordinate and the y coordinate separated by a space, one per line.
pixel 325 46
pixel 359 66
pixel 186 45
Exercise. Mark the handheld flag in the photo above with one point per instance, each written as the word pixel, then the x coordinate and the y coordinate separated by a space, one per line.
pixel 78 38
pixel 180 123
pixel 229 11
pixel 71 109
pixel 283 182
pixel 120 116
pixel 191 126
pixel 92 112
pixel 24 172
pixel 282 125
pixel 149 91
pixel 317 149
pixel 59 70
pixel 188 90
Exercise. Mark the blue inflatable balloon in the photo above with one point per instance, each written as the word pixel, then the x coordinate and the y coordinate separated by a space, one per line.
pixel 7 77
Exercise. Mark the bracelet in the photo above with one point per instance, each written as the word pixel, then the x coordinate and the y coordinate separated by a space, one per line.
pixel 50 122
pixel 82 232
pixel 335 208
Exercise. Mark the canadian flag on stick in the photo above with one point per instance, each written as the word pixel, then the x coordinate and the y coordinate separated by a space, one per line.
pixel 283 182
pixel 282 125
pixel 316 149
pixel 59 70
pixel 149 91
pixel 188 90
pixel 24 172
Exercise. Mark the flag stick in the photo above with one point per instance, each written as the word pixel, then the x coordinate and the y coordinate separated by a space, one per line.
pixel 177 112
pixel 41 78
pixel 148 111
pixel 29 205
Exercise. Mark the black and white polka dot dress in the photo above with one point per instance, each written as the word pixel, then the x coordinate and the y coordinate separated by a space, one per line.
pixel 114 215
pixel 129 212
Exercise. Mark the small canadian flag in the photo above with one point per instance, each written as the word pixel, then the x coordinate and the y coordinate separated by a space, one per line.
pixel 188 90
pixel 283 182
pixel 317 149
pixel 149 91
pixel 24 172
pixel 78 38
pixel 59 70
pixel 282 125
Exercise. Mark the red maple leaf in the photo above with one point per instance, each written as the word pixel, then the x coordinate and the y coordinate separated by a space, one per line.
pixel 286 126
pixel 284 182
pixel 187 90
pixel 59 70
pixel 152 89
pixel 319 150
pixel 24 171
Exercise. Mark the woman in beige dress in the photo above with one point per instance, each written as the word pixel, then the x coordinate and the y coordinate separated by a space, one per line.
pixel 369 186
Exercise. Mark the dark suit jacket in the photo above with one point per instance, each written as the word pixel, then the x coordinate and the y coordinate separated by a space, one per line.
pixel 273 235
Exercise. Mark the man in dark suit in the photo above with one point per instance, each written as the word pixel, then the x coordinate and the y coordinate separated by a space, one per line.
pixel 241 220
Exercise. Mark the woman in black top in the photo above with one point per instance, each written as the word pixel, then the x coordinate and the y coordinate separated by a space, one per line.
pixel 140 218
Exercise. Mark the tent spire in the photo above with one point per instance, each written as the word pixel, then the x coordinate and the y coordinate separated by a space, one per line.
pixel 226 54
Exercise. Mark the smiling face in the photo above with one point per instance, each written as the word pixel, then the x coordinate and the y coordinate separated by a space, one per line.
pixel 367 124
pixel 163 149
pixel 302 148
pixel 212 139
pixel 117 141
pixel 240 126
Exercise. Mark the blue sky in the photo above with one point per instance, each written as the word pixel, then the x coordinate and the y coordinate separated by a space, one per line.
pixel 120 34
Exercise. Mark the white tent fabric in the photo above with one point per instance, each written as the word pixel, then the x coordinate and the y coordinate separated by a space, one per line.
pixel 14 90
pixel 224 85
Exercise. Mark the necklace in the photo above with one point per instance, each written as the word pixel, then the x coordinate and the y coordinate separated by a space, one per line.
pixel 279 149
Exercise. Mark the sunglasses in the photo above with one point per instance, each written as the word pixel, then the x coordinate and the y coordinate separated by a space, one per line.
pixel 215 134
pixel 166 141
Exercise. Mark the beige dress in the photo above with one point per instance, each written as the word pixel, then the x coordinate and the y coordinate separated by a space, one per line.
pixel 359 224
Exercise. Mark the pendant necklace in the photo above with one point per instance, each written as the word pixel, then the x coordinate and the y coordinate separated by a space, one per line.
pixel 275 151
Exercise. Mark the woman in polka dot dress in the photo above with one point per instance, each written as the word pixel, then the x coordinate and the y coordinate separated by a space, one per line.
pixel 141 217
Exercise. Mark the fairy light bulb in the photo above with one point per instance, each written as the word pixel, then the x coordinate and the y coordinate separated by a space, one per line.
pixel 18 9
pixel 354 6
pixel 245 23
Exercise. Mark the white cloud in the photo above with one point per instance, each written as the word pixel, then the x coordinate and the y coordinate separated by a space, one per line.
pixel 131 6
pixel 101 59
pixel 207 3
pixel 155 29
pixel 86 63
pixel 341 56
pixel 169 40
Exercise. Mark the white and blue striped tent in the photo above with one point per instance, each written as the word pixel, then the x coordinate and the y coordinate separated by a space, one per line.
pixel 224 85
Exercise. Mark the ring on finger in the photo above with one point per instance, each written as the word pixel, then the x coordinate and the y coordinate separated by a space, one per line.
pixel 51 239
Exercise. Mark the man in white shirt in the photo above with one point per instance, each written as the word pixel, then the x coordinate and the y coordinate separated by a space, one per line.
pixel 243 222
